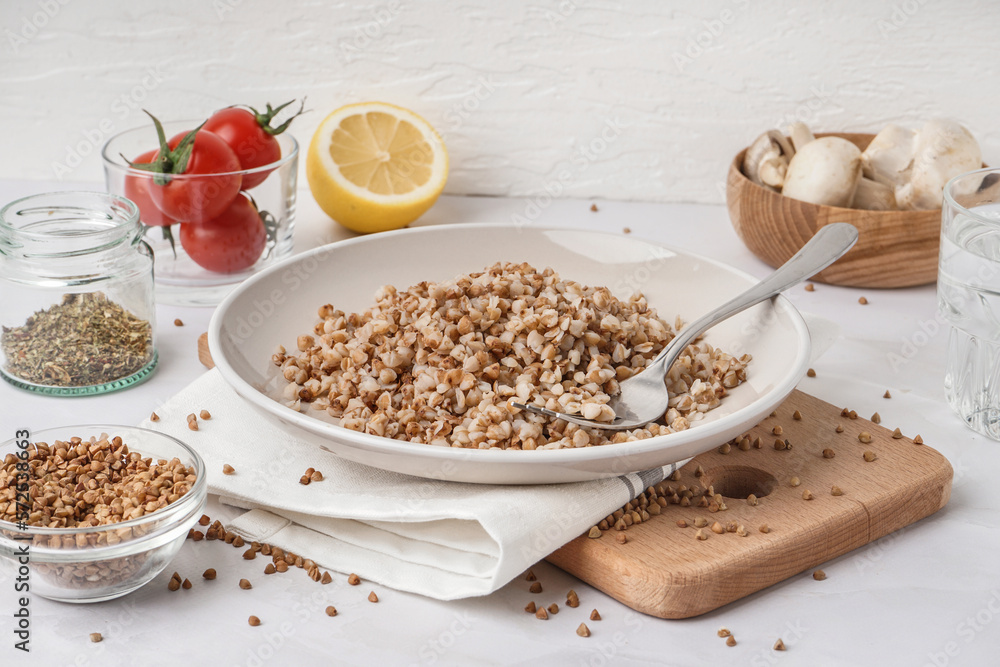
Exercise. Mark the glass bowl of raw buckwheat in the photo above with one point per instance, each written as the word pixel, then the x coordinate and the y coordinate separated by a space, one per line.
pixel 92 512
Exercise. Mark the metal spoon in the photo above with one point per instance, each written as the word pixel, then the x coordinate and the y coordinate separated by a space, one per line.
pixel 643 397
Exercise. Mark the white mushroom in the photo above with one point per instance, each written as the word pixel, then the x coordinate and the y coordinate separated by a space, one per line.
pixel 800 135
pixel 826 171
pixel 943 149
pixel 873 196
pixel 767 159
pixel 889 156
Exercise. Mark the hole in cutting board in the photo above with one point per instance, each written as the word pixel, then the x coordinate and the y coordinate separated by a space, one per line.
pixel 740 481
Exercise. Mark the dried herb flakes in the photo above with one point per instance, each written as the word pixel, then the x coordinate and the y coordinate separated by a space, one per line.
pixel 85 340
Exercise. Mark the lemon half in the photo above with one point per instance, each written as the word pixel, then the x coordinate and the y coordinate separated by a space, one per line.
pixel 375 166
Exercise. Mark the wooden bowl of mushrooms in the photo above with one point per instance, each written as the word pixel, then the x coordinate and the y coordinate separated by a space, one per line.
pixel 781 190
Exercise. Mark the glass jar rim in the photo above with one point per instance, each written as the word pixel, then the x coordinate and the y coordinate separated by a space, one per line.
pixel 949 198
pixel 118 163
pixel 128 221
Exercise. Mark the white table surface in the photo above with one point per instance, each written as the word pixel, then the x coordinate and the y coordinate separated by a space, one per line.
pixel 929 594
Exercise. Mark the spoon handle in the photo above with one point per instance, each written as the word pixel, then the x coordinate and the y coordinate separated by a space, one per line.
pixel 826 246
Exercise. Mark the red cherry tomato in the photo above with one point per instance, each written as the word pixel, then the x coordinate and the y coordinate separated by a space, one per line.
pixel 203 191
pixel 137 189
pixel 231 242
pixel 254 146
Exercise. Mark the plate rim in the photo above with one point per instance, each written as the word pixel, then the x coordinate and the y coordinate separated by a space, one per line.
pixel 564 456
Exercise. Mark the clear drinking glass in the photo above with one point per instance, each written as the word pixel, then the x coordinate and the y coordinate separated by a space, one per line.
pixel 969 297
pixel 76 294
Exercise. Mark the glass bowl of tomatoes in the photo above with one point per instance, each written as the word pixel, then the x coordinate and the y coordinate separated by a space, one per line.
pixel 217 198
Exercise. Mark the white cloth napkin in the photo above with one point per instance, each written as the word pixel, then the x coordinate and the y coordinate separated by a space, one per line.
pixel 440 539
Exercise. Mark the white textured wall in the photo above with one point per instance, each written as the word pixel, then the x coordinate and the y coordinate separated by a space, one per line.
pixel 644 100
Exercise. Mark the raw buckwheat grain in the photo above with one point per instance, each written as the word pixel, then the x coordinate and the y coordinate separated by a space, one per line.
pixel 440 363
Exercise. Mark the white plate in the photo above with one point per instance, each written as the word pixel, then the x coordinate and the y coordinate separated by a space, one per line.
pixel 278 304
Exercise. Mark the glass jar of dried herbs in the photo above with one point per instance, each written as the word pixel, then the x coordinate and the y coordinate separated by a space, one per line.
pixel 76 294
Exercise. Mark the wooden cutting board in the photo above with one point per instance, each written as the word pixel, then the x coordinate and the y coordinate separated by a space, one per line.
pixel 663 570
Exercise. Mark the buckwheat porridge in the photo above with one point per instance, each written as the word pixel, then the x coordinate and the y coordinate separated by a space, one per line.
pixel 440 363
